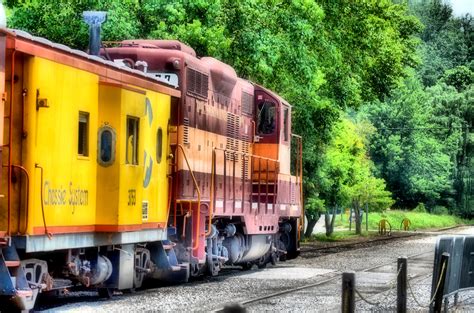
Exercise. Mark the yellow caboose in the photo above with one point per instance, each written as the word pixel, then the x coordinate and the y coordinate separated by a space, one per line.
pixel 85 165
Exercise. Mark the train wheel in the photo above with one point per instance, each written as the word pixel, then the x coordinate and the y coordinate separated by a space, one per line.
pixel 247 266
pixel 106 293
pixel 274 258
pixel 262 262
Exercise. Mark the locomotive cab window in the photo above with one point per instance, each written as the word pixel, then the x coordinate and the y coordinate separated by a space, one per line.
pixel 285 124
pixel 132 140
pixel 266 118
pixel 83 134
pixel 106 146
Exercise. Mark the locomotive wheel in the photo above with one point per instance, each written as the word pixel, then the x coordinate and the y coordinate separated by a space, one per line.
pixel 247 266
pixel 262 262
pixel 106 293
pixel 273 258
pixel 213 268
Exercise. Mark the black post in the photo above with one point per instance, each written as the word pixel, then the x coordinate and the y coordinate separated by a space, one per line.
pixel 348 292
pixel 234 308
pixel 438 302
pixel 402 285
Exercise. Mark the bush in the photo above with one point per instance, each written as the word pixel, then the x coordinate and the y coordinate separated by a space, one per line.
pixel 420 208
pixel 440 210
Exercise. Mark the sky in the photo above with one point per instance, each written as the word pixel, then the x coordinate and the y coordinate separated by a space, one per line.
pixel 461 7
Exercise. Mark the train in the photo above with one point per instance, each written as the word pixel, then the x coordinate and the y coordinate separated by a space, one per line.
pixel 139 161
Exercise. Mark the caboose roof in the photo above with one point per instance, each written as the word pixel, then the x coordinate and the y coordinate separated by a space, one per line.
pixel 42 47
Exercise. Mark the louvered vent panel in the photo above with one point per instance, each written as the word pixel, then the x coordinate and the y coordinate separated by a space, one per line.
pixel 186 131
pixel 246 160
pixel 198 83
pixel 247 103
pixel 293 194
pixel 232 144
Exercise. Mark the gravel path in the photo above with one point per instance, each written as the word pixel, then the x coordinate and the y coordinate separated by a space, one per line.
pixel 211 293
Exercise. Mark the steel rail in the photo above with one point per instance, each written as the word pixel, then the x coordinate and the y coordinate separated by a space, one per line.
pixel 309 286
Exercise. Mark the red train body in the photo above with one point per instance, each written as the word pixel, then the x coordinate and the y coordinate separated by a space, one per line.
pixel 234 181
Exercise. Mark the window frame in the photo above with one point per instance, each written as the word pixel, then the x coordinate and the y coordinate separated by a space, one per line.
pixel 286 123
pixel 159 145
pixel 113 145
pixel 268 106
pixel 84 152
pixel 136 134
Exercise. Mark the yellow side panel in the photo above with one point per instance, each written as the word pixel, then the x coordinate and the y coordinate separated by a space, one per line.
pixel 69 179
pixel 156 193
pixel 145 182
pixel 108 178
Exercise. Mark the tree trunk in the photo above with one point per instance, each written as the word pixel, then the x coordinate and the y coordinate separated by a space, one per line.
pixel 333 220
pixel 329 223
pixel 357 217
pixel 309 228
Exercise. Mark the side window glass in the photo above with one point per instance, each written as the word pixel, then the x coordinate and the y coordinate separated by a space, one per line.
pixel 106 146
pixel 285 125
pixel 159 145
pixel 266 118
pixel 132 140
pixel 83 134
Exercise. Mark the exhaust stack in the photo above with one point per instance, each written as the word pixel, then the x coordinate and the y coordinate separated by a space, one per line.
pixel 94 19
pixel 3 17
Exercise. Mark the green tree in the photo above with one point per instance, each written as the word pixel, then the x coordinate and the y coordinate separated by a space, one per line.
pixel 418 141
pixel 346 174
pixel 321 56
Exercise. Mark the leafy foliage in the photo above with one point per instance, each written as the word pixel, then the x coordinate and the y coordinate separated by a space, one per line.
pixel 324 57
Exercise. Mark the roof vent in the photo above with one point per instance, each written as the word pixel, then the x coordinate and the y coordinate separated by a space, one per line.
pixel 94 19
pixel 3 17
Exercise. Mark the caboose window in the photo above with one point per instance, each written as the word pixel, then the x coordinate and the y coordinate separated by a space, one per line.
pixel 106 146
pixel 83 134
pixel 266 118
pixel 159 145
pixel 132 140
pixel 285 124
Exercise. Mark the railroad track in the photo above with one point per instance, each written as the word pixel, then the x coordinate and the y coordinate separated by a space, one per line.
pixel 336 277
pixel 277 291
pixel 307 250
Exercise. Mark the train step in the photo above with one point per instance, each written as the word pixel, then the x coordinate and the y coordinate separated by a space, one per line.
pixel 13 263
pixel 169 246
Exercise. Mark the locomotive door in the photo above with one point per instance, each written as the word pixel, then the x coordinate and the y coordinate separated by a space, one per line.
pixel 265 166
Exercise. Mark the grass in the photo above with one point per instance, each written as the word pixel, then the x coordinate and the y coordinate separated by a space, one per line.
pixel 418 221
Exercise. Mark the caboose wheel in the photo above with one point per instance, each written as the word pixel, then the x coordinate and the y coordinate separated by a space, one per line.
pixel 106 293
pixel 247 266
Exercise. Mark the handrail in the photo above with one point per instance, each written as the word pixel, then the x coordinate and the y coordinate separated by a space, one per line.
pixel 246 154
pixel 265 176
pixel 27 198
pixel 170 196
pixel 212 194
pixel 10 135
pixel 299 174
pixel 196 243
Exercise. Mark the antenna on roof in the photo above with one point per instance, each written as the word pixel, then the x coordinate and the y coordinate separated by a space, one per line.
pixel 94 19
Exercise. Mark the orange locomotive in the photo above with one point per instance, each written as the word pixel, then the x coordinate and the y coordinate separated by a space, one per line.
pixel 145 162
